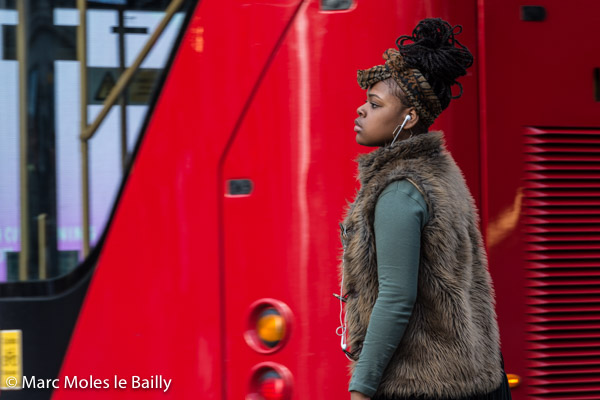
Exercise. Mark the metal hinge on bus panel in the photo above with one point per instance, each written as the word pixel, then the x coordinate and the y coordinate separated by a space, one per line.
pixel 533 13
pixel 239 187
pixel 335 5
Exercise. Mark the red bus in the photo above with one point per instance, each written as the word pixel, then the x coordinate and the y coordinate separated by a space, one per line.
pixel 215 271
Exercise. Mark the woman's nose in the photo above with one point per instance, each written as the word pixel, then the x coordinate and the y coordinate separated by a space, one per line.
pixel 360 111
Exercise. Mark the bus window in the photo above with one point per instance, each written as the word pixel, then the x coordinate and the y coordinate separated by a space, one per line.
pixel 41 207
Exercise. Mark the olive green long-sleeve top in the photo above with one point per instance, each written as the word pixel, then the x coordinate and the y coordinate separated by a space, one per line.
pixel 400 215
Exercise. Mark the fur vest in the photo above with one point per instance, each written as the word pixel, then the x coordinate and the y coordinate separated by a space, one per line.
pixel 450 348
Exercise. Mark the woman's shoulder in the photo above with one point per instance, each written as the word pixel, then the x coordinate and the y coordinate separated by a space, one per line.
pixel 402 188
pixel 401 196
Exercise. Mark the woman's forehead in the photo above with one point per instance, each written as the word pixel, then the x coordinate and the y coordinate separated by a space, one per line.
pixel 383 90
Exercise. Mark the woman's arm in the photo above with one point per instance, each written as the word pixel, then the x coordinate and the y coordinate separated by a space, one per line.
pixel 400 215
pixel 354 395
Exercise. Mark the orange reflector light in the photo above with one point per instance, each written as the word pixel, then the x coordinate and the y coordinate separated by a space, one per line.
pixel 270 327
pixel 513 380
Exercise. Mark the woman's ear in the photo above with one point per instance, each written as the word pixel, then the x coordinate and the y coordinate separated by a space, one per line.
pixel 414 118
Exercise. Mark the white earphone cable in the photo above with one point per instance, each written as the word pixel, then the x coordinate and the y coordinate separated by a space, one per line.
pixel 408 118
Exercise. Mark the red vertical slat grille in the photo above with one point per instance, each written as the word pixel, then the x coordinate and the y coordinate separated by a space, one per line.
pixel 562 223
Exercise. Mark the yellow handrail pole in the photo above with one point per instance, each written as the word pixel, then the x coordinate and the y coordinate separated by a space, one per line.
pixel 85 184
pixel 43 266
pixel 124 79
pixel 123 98
pixel 23 142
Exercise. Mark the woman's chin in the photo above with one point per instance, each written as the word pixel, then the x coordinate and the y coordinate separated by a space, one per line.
pixel 361 140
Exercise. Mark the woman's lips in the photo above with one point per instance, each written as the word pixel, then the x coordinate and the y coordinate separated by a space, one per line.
pixel 357 126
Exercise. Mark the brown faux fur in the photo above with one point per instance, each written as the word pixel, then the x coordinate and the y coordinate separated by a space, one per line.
pixel 450 348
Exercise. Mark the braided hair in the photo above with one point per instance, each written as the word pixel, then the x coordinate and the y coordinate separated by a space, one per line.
pixel 438 55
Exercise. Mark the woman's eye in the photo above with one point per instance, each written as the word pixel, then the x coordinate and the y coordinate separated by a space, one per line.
pixel 373 105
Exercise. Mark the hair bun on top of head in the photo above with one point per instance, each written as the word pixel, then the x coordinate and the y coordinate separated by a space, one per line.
pixel 437 54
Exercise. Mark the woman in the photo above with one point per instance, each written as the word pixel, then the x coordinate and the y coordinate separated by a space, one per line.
pixel 420 316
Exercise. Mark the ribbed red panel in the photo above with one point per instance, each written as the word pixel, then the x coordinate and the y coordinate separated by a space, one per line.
pixel 562 221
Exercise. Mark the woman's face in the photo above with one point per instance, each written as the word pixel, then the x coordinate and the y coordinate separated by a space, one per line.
pixel 378 117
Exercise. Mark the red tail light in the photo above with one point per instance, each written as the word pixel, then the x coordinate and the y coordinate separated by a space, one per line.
pixel 270 381
pixel 271 386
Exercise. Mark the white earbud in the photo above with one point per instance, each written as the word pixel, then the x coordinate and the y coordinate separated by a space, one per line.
pixel 399 128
